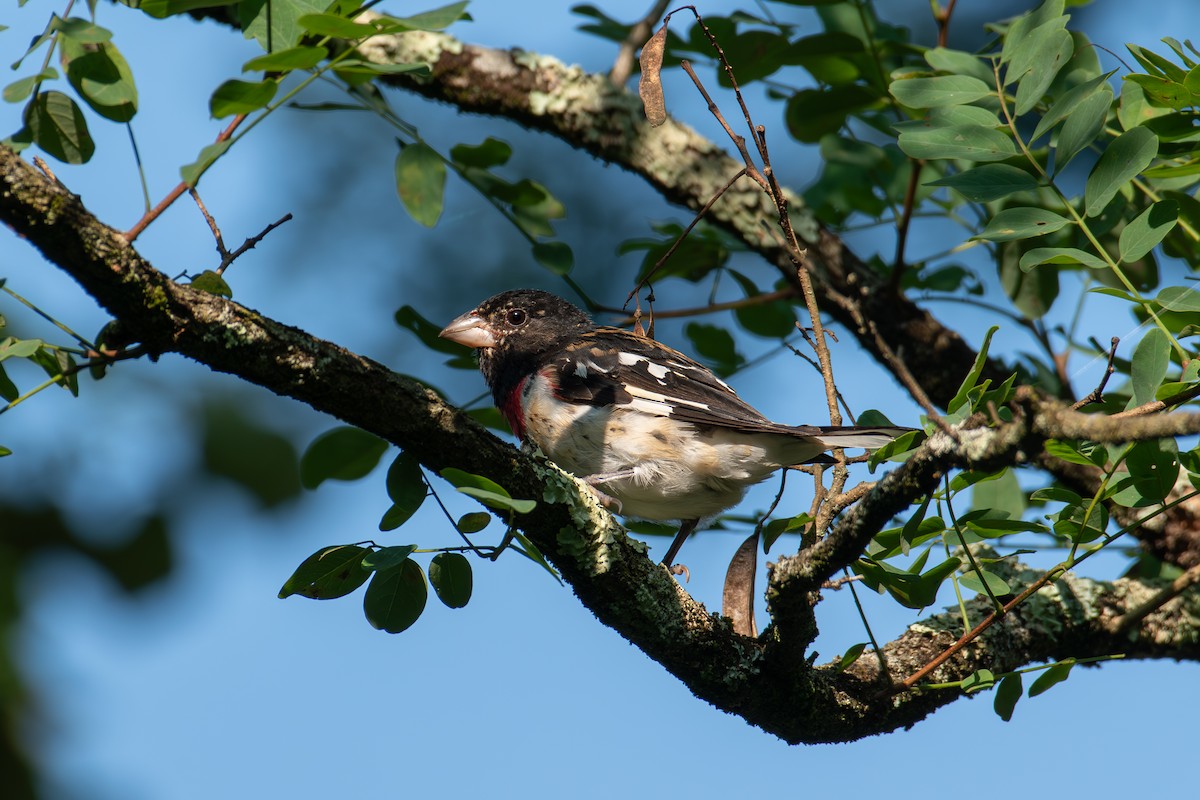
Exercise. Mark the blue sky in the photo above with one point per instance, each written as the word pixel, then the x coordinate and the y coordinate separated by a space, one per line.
pixel 209 686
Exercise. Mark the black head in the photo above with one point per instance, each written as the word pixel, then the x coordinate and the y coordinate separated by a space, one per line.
pixel 514 330
pixel 528 320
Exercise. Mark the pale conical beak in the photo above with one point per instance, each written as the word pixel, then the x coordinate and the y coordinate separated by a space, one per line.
pixel 470 330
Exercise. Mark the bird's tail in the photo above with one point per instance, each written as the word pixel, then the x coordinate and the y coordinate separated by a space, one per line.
pixel 865 437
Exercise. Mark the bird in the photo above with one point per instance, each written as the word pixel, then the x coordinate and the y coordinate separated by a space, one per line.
pixel 657 435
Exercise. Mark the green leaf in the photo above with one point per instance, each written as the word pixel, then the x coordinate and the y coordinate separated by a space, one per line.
pixel 335 26
pixel 386 558
pixel 421 182
pixel 777 527
pixel 328 573
pixel 407 490
pixel 82 31
pixel 908 588
pixel 450 574
pixel 998 585
pixel 300 57
pixel 1081 525
pixel 554 256
pixel 208 155
pixel 1067 452
pixel 275 25
pixel 1060 255
pixel 473 522
pixel 1001 494
pixel 209 281
pixel 395 599
pixel 943 90
pixel 851 655
pixel 1007 694
pixel 1022 223
pixel 1123 160
pixel 1082 127
pixel 978 680
pixel 500 502
pixel 1021 32
pixel 485 155
pixel 988 182
pixel 774 320
pixel 19 348
pixel 1152 468
pixel 57 126
pixel 21 88
pixel 241 97
pixel 1179 298
pixel 1050 51
pixel 1151 358
pixel 407 317
pixel 960 63
pixel 486 491
pixel 969 142
pixel 813 113
pixel 8 389
pixel 1057 494
pixel 103 79
pixel 1147 229
pixel 344 454
pixel 972 379
pixel 715 346
pixel 160 9
pixel 1064 106
pixel 1164 91
pixel 1056 674
pixel 435 20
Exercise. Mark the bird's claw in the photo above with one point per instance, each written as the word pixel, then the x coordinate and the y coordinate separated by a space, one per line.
pixel 680 569
pixel 606 500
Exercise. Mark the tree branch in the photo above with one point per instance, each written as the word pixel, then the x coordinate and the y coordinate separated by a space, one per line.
pixel 771 686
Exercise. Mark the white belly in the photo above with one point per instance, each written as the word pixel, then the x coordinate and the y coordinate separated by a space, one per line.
pixel 678 472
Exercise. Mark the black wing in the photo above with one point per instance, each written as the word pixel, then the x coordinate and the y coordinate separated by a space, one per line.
pixel 608 366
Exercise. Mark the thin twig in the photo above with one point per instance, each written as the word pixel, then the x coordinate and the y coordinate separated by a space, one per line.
pixel 899 262
pixel 679 240
pixel 212 223
pixel 942 18
pixel 1097 394
pixel 250 243
pixel 711 308
pixel 1178 586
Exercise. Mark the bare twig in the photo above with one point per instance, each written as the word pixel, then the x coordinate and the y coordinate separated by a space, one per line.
pixel 1178 586
pixel 250 243
pixel 942 17
pixel 679 240
pixel 713 308
pixel 1097 394
pixel 899 262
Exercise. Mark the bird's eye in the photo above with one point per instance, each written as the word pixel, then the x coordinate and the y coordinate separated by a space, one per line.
pixel 516 317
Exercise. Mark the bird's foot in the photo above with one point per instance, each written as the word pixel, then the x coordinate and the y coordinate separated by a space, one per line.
pixel 680 569
pixel 607 500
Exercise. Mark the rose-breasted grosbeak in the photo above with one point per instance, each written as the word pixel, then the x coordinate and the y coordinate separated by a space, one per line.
pixel 658 433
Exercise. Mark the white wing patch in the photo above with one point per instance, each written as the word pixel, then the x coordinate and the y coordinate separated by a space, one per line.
pixel 659 404
pixel 657 371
